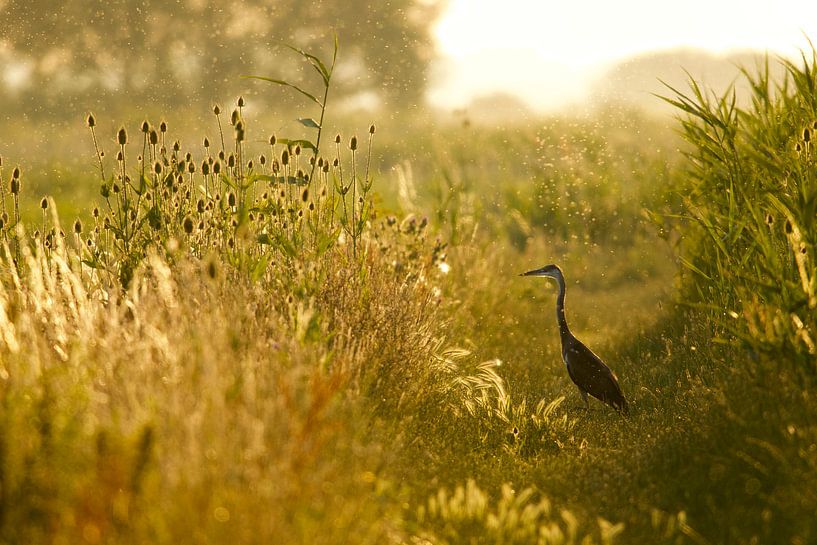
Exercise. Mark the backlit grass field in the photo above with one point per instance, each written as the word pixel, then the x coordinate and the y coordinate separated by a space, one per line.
pixel 336 347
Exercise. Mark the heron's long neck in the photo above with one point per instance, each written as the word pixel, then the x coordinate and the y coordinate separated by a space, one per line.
pixel 564 332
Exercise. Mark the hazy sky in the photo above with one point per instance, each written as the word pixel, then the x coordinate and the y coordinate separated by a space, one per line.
pixel 548 52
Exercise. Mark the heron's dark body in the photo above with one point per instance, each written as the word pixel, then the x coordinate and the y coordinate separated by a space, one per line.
pixel 586 369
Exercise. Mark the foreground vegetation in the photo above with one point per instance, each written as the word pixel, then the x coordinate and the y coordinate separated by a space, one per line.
pixel 230 348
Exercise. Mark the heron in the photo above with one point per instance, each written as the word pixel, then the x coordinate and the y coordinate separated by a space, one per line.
pixel 586 370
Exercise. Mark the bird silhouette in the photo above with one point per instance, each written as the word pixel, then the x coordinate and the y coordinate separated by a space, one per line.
pixel 586 369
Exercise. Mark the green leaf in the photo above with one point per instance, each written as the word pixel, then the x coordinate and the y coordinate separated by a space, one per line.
pixel 260 268
pixel 303 143
pixel 309 122
pixel 264 238
pixel 315 62
pixel 281 179
pixel 287 84
pixel 692 267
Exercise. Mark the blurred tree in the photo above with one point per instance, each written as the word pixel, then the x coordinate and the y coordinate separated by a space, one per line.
pixel 54 54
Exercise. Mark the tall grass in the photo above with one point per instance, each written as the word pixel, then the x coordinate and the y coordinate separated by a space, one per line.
pixel 232 349
pixel 749 244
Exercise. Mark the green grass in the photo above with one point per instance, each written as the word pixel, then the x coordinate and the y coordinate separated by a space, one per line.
pixel 271 366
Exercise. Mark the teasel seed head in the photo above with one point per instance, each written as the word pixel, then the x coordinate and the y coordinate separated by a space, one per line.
pixel 337 139
pixel 234 117
pixel 157 167
pixel 153 138
pixel 44 203
pixel 205 167
pixel 371 128
pixel 272 140
pixel 216 109
pixel 206 142
pixel 145 127
pixel 91 121
pixel 187 224
pixel 230 199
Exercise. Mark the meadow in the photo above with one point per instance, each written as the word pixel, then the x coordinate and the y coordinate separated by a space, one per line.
pixel 323 339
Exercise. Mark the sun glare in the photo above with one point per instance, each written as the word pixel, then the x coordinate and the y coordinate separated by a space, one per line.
pixel 490 46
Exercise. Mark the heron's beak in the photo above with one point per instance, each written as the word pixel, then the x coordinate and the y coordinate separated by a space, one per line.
pixel 536 272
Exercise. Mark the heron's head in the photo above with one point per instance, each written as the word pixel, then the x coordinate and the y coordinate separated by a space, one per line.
pixel 551 271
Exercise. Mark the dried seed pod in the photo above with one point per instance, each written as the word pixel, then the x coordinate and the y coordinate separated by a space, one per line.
pixel 91 121
pixel 122 136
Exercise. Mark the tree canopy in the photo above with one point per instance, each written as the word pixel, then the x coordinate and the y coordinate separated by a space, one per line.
pixel 175 52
